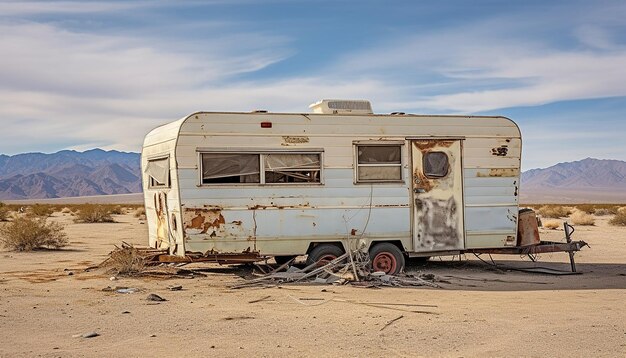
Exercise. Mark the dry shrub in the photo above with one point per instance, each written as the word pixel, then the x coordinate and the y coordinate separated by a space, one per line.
pixel 4 212
pixel 611 208
pixel 117 210
pixel 554 211
pixel 30 233
pixel 582 218
pixel 125 261
pixel 91 213
pixel 586 208
pixel 140 213
pixel 41 210
pixel 552 224
pixel 602 212
pixel 619 219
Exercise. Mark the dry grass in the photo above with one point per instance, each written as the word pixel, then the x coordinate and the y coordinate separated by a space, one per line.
pixel 554 211
pixel 66 210
pixel 595 208
pixel 602 212
pixel 31 233
pixel 42 210
pixel 582 218
pixel 4 212
pixel 586 208
pixel 92 213
pixel 552 224
pixel 117 210
pixel 141 213
pixel 619 219
pixel 125 261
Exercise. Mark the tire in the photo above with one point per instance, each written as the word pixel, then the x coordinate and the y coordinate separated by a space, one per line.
pixel 387 258
pixel 323 253
pixel 283 259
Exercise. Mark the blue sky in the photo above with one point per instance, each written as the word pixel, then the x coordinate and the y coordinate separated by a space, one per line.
pixel 84 74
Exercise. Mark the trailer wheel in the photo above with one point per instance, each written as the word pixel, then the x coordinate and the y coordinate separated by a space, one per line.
pixel 387 258
pixel 283 259
pixel 323 254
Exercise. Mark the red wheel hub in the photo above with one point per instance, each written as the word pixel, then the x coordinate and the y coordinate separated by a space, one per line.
pixel 324 260
pixel 384 262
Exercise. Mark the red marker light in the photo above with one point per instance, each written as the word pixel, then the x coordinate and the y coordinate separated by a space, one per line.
pixel 266 124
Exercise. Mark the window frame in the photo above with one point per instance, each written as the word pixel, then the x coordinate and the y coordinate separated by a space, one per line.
pixel 430 176
pixel 261 152
pixel 357 144
pixel 152 183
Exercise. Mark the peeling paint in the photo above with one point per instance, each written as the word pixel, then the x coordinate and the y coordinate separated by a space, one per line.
pixel 211 224
pixel 430 144
pixel 499 172
pixel 500 151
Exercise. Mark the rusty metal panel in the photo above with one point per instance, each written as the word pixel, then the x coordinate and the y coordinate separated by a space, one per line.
pixel 527 228
pixel 438 220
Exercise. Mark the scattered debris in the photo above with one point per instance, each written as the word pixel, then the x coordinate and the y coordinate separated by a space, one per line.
pixel 128 260
pixel 156 298
pixel 86 335
pixel 175 288
pixel 126 290
pixel 260 299
pixel 348 268
pixel 391 322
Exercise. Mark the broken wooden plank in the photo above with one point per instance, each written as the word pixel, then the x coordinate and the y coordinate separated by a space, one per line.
pixel 391 322
pixel 260 299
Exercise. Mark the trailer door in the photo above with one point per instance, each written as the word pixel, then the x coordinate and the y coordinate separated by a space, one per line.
pixel 437 182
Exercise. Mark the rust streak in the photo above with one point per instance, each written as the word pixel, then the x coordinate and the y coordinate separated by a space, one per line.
pixel 430 144
pixel 499 172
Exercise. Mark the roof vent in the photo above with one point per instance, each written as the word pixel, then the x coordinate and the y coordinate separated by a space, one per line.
pixel 340 106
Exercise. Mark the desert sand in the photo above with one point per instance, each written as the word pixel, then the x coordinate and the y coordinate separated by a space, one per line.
pixel 482 311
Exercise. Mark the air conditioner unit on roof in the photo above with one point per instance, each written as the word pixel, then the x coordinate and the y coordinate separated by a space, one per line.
pixel 340 106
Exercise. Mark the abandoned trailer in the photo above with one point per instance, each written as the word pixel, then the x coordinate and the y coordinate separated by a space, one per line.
pixel 236 187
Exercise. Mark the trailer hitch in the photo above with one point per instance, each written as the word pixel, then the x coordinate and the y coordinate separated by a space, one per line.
pixel 569 230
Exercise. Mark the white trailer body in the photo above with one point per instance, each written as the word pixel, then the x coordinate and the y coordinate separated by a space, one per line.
pixel 278 184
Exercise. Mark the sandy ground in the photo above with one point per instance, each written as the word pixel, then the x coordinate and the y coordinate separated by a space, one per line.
pixel 481 312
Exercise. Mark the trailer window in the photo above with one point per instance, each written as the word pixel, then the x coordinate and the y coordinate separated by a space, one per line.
pixel 435 164
pixel 379 163
pixel 158 171
pixel 230 168
pixel 292 168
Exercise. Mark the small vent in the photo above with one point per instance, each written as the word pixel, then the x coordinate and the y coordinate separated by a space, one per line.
pixel 336 106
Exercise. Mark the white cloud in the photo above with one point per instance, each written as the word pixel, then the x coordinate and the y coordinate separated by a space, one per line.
pixel 60 86
pixel 12 8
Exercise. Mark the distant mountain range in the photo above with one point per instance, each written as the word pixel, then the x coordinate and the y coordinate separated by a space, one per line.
pixel 585 181
pixel 69 173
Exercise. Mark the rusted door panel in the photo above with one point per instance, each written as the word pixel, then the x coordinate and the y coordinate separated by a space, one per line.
pixel 438 222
